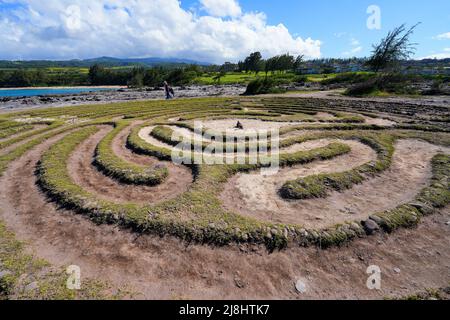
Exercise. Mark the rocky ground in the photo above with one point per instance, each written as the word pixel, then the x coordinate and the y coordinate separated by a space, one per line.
pixel 8 104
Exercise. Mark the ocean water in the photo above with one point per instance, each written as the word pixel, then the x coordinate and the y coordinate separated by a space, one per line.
pixel 46 91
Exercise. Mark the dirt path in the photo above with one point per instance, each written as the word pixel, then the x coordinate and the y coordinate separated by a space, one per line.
pixel 256 196
pixel 90 179
pixel 167 268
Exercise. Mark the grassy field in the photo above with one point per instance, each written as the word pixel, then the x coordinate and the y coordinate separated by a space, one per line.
pixel 245 78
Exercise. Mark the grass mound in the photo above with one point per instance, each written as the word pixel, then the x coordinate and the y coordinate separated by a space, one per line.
pixel 121 170
pixel 319 186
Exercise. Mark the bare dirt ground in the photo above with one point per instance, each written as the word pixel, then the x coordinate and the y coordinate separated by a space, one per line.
pixel 89 178
pixel 255 195
pixel 123 95
pixel 249 124
pixel 167 268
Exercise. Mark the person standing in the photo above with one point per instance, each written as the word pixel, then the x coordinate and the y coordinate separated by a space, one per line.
pixel 169 91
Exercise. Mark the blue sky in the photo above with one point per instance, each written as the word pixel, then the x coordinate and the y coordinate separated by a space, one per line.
pixel 337 23
pixel 212 30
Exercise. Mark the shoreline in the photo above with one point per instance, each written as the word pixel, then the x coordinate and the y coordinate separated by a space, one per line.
pixel 64 87
pixel 13 104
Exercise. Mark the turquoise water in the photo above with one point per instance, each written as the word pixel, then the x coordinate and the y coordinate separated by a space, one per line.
pixel 47 91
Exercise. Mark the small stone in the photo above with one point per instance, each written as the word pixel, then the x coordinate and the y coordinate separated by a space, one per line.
pixel 355 227
pixel 32 286
pixel 397 270
pixel 238 282
pixel 300 286
pixel 370 226
pixel 448 223
pixel 377 219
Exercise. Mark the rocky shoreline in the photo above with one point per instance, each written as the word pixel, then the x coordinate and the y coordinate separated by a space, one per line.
pixel 120 95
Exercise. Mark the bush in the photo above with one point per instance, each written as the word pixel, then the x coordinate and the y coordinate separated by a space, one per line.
pixel 262 86
pixel 389 83
pixel 349 78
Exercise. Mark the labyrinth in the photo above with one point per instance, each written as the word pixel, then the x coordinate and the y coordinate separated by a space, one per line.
pixel 348 170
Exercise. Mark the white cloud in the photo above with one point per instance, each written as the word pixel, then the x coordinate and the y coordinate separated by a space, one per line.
pixel 352 52
pixel 443 36
pixel 355 48
pixel 442 55
pixel 354 42
pixel 222 8
pixel 140 28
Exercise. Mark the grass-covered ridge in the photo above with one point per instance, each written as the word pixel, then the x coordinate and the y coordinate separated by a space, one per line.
pixel 198 213
pixel 203 218
pixel 318 186
pixel 117 168
pixel 199 206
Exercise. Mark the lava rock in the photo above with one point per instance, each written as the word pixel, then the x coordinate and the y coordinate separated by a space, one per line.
pixel 370 226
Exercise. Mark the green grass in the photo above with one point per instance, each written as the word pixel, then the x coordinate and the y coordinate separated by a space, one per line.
pixel 319 186
pixel 121 170
pixel 198 215
pixel 199 208
pixel 8 132
pixel 244 78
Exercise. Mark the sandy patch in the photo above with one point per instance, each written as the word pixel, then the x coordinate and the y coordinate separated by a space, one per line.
pixel 256 196
pixel 379 121
pixel 249 124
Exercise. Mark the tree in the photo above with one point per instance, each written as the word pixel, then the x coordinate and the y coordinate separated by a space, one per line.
pixel 153 77
pixel 95 74
pixel 298 63
pixel 228 67
pixel 253 62
pixel 285 62
pixel 219 76
pixel 395 47
pixel 271 65
pixel 137 77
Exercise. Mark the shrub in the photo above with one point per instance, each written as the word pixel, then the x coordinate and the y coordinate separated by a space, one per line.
pixel 347 78
pixel 390 83
pixel 263 86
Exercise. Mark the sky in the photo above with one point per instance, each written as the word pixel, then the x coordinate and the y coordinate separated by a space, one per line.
pixel 215 30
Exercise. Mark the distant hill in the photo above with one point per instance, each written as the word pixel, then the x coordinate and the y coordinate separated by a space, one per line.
pixel 105 61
